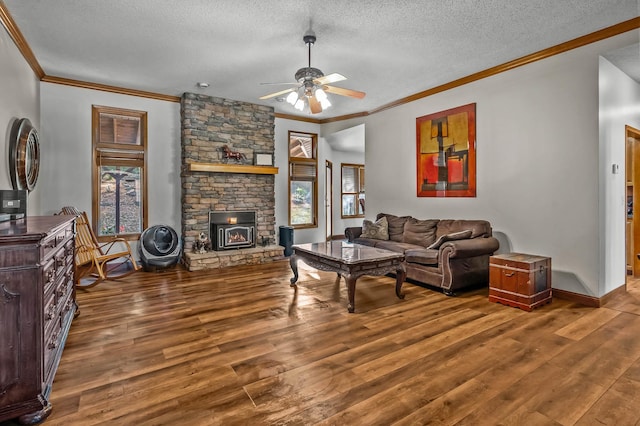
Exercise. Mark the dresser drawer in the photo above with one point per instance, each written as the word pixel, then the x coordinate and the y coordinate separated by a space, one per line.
pixel 50 314
pixel 52 341
pixel 69 253
pixel 60 258
pixel 49 276
pixel 12 256
pixel 56 241
pixel 64 293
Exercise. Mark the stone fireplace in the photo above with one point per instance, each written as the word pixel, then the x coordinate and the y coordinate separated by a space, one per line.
pixel 213 183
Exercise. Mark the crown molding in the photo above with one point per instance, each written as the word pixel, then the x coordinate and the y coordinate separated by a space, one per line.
pixel 297 118
pixel 107 88
pixel 345 117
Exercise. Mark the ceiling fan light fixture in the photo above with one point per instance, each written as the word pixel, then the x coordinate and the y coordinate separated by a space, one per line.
pixel 324 103
pixel 292 98
pixel 320 94
pixel 299 105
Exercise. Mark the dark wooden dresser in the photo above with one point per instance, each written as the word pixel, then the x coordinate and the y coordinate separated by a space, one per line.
pixel 37 305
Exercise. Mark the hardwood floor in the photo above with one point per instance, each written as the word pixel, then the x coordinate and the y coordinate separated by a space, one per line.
pixel 240 347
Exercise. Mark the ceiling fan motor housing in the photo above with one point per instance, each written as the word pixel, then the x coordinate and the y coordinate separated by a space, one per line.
pixel 308 74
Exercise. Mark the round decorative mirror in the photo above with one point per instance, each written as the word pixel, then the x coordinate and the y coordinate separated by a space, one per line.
pixel 24 155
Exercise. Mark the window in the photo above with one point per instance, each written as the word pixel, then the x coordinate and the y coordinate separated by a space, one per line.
pixel 352 190
pixel 303 177
pixel 119 172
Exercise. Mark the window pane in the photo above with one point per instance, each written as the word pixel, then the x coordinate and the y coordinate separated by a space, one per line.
pixel 303 175
pixel 348 205
pixel 120 204
pixel 352 190
pixel 303 170
pixel 302 199
pixel 121 129
pixel 349 179
pixel 301 146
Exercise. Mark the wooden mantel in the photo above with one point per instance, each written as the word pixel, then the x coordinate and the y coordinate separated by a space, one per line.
pixel 232 168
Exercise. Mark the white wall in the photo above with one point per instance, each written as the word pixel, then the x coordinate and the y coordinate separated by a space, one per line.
pixel 538 165
pixel 20 98
pixel 619 106
pixel 66 171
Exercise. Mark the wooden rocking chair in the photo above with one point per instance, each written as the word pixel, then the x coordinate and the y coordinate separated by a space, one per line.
pixel 109 260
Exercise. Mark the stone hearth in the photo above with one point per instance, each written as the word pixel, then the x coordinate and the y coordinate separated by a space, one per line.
pixel 223 259
pixel 207 125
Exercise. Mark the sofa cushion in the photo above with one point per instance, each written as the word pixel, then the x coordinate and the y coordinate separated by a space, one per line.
pixel 479 228
pixel 396 225
pixel 378 230
pixel 462 235
pixel 419 232
pixel 422 256
pixel 396 246
pixel 366 241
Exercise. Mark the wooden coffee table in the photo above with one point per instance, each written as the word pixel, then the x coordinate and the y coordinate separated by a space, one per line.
pixel 351 261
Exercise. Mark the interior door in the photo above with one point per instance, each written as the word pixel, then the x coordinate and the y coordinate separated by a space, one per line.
pixel 328 197
pixel 632 183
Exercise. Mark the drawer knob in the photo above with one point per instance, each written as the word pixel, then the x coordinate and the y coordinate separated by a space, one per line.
pixel 50 312
pixel 53 343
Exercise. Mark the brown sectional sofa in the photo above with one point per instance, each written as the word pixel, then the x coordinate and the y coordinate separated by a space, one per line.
pixel 446 253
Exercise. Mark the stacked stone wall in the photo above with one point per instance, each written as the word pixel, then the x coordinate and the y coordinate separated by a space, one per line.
pixel 207 125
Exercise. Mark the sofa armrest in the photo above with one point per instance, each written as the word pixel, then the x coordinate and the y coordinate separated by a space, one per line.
pixel 352 232
pixel 471 247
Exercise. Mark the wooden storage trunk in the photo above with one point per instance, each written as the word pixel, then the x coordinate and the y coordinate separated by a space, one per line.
pixel 520 280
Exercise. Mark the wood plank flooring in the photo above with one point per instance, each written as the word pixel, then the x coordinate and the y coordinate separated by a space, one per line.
pixel 241 347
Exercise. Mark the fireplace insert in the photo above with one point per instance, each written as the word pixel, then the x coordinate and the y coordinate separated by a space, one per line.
pixel 232 230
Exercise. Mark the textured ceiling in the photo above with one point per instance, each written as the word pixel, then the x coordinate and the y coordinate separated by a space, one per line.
pixel 388 49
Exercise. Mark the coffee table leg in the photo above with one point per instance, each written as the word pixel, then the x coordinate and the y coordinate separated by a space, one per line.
pixel 351 292
pixel 401 275
pixel 293 261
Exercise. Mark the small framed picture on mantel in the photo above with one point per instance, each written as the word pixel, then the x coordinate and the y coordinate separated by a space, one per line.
pixel 263 159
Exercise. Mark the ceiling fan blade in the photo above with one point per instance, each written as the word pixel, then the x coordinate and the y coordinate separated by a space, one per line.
pixel 273 95
pixel 328 79
pixel 344 92
pixel 314 105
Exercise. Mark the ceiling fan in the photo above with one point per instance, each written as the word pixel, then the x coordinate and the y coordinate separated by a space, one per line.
pixel 312 85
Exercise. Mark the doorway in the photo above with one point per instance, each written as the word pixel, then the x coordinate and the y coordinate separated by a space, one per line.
pixel 328 197
pixel 632 188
